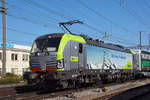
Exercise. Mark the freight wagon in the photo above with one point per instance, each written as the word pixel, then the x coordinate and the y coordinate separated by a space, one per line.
pixel 145 60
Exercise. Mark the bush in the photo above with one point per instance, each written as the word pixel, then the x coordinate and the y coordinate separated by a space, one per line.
pixel 11 78
pixel 10 75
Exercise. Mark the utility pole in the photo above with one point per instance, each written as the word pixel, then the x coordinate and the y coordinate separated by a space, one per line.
pixel 149 39
pixel 105 36
pixel 140 48
pixel 4 38
pixel 121 2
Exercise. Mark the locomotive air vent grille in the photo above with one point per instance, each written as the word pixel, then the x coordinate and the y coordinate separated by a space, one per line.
pixel 35 64
pixel 51 63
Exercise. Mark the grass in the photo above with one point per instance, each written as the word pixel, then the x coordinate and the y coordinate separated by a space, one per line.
pixel 11 78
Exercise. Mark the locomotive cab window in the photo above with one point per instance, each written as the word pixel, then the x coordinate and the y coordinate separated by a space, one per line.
pixel 80 48
pixel 46 44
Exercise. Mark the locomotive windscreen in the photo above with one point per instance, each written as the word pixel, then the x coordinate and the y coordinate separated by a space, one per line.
pixel 46 44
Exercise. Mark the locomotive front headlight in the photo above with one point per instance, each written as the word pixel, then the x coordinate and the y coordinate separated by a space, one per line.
pixel 60 64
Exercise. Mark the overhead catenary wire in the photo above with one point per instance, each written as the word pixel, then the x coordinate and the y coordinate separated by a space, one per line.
pixel 31 21
pixel 146 3
pixel 21 32
pixel 31 13
pixel 89 26
pixel 98 31
pixel 105 18
pixel 142 8
pixel 45 24
pixel 94 29
pixel 15 41
pixel 131 12
pixel 18 42
pixel 44 8
pixel 122 41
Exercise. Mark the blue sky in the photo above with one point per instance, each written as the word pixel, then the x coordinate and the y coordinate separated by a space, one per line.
pixel 27 19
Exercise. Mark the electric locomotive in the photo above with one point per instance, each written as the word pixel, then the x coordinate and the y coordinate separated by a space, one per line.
pixel 62 60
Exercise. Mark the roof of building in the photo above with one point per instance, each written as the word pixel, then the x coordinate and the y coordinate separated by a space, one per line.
pixel 15 47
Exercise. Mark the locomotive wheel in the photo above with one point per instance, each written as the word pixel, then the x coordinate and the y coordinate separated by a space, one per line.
pixel 47 85
pixel 77 85
pixel 33 82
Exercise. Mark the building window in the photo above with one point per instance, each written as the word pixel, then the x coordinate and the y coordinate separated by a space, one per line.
pixel 24 70
pixel 14 56
pixel 14 70
pixel 0 56
pixel 25 57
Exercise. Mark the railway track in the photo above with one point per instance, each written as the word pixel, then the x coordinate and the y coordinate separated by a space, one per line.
pixel 30 93
pixel 138 93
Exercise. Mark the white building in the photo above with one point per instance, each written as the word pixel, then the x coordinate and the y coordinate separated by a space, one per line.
pixel 17 58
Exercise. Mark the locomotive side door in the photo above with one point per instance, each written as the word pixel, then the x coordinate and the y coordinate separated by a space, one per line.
pixel 74 55
pixel 81 55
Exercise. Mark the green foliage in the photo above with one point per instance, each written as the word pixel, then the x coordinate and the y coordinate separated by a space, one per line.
pixel 10 75
pixel 11 78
